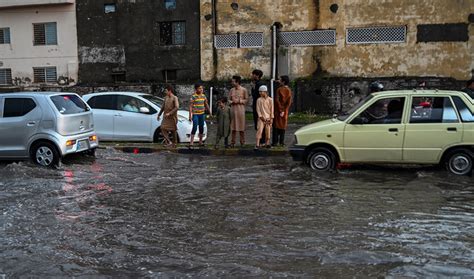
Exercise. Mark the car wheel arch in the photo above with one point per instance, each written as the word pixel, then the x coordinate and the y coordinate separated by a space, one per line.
pixel 448 151
pixel 331 147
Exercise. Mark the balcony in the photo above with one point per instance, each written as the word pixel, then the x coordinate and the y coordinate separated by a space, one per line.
pixel 26 3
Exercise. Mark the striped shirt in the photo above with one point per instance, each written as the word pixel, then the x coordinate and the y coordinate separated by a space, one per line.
pixel 198 101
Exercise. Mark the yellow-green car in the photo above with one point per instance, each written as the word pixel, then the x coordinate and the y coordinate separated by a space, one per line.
pixel 406 126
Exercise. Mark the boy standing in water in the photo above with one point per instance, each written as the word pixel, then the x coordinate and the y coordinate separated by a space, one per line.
pixel 223 116
pixel 197 109
pixel 265 116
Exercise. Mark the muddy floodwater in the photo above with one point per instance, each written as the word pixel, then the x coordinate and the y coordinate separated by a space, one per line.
pixel 173 216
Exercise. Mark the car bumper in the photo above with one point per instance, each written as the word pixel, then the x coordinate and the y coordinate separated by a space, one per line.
pixel 297 152
pixel 78 143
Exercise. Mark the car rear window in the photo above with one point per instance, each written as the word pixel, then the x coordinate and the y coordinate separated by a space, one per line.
pixel 69 104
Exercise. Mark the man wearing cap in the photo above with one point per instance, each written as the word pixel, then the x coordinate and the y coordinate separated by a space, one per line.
pixel 265 116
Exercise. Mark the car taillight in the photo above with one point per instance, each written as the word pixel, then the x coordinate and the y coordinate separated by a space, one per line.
pixel 70 142
pixel 93 138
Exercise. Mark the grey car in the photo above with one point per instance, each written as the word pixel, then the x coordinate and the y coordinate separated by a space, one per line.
pixel 45 126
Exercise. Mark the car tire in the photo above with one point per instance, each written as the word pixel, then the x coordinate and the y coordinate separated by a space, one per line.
pixel 459 162
pixel 45 154
pixel 90 152
pixel 322 159
pixel 158 136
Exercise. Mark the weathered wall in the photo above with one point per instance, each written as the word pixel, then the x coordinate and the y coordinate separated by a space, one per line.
pixel 21 55
pixel 254 16
pixel 415 57
pixel 128 41
pixel 440 59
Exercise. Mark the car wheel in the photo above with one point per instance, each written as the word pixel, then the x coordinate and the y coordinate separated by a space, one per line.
pixel 158 136
pixel 90 152
pixel 45 154
pixel 322 159
pixel 459 162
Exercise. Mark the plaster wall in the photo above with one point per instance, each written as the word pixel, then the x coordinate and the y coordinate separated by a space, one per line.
pixel 21 55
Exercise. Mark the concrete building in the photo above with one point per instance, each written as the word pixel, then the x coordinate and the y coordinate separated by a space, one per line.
pixel 338 38
pixel 138 41
pixel 38 42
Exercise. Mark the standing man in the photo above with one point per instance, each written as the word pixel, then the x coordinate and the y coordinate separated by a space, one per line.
pixel 469 88
pixel 256 83
pixel 170 109
pixel 238 97
pixel 265 116
pixel 197 109
pixel 282 108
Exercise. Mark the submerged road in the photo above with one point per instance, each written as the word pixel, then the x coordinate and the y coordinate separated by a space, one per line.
pixel 173 215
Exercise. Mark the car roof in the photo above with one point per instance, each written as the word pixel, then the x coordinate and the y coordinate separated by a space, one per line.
pixel 418 91
pixel 36 93
pixel 128 93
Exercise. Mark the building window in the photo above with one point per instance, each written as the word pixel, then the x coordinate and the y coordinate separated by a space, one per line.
pixel 169 75
pixel 45 74
pixel 110 8
pixel 4 35
pixel 172 33
pixel 170 4
pixel 45 34
pixel 5 76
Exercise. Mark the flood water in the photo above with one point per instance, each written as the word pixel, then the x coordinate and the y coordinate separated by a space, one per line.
pixel 171 215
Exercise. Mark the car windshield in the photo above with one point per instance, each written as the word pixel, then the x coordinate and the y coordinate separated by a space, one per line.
pixel 155 100
pixel 69 104
pixel 343 116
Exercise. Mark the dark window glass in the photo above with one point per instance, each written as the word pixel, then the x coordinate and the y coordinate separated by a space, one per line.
pixel 132 104
pixel 45 34
pixel 110 8
pixel 384 111
pixel 4 35
pixel 173 33
pixel 69 104
pixel 44 74
pixel 463 109
pixel 170 4
pixel 103 102
pixel 169 75
pixel 5 76
pixel 15 107
pixel 432 110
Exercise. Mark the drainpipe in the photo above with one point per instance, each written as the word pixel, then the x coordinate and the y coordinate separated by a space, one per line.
pixel 274 50
pixel 214 32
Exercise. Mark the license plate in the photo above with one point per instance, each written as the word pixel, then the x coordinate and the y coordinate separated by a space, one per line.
pixel 82 145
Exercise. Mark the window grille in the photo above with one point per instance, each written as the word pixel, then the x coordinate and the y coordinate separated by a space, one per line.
pixel 226 41
pixel 173 33
pixel 45 74
pixel 5 76
pixel 45 33
pixel 4 35
pixel 376 35
pixel 251 40
pixel 308 38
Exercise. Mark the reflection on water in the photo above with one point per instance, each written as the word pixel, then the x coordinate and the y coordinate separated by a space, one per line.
pixel 168 215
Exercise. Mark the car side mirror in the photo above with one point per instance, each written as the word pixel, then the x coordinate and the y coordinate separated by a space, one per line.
pixel 359 120
pixel 144 110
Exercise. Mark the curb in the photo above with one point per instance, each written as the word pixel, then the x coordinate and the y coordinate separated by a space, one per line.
pixel 204 151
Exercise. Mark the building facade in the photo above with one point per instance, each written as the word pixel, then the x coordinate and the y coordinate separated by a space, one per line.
pixel 38 42
pixel 339 38
pixel 138 41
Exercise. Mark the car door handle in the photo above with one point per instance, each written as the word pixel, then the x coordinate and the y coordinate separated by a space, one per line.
pixel 452 129
pixel 31 123
pixel 119 115
pixel 393 130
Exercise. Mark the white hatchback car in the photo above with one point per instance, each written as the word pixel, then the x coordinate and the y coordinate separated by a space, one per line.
pixel 132 116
